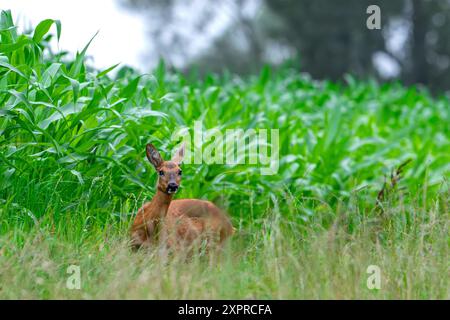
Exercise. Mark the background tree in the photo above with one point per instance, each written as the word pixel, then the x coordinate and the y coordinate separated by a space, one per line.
pixel 328 38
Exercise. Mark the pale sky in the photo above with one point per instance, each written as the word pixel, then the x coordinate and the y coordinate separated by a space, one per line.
pixel 122 33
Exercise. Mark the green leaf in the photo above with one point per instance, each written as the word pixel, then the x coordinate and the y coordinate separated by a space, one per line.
pixel 49 74
pixel 6 48
pixel 10 67
pixel 104 72
pixel 73 157
pixel 79 60
pixel 75 87
pixel 6 23
pixel 78 175
pixel 62 113
pixel 43 27
pixel 265 76
pixel 131 88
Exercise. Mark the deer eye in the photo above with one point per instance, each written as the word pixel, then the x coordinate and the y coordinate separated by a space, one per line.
pixel 180 172
pixel 161 173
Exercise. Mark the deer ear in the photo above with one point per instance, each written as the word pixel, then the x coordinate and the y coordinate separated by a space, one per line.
pixel 153 156
pixel 178 157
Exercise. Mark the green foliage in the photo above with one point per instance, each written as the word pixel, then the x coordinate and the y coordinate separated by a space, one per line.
pixel 61 116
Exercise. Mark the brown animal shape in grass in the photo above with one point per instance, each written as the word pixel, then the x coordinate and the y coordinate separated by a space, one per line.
pixel 177 224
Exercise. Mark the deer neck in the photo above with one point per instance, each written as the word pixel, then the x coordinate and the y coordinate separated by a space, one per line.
pixel 160 204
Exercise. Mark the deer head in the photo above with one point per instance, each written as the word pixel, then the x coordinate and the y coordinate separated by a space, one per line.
pixel 169 172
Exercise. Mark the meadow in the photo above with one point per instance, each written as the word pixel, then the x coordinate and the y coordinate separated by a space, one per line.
pixel 362 180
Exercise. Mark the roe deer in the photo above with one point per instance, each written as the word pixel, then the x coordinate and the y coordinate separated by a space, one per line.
pixel 176 223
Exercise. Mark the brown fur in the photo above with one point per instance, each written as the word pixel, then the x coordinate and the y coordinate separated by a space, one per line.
pixel 177 223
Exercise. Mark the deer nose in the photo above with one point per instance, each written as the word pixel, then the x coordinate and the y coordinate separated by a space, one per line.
pixel 172 187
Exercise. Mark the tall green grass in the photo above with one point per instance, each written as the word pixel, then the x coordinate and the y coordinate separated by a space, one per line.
pixel 273 258
pixel 73 173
